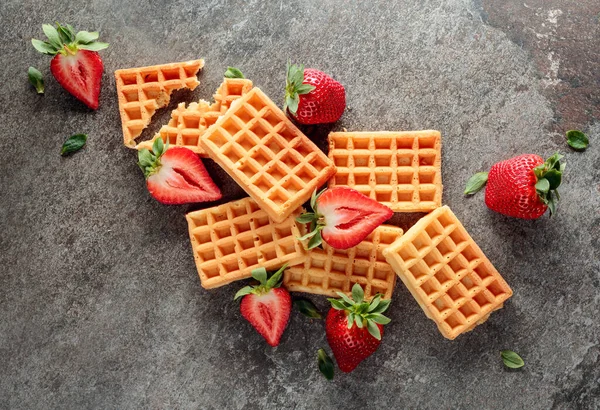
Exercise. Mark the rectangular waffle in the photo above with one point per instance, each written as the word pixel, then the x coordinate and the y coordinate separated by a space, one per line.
pixel 446 272
pixel 232 239
pixel 264 152
pixel 143 90
pixel 401 170
pixel 327 271
pixel 188 124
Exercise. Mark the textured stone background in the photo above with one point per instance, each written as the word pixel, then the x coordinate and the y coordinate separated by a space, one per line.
pixel 100 303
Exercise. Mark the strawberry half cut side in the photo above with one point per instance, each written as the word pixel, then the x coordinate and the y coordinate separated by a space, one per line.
pixel 342 217
pixel 176 176
pixel 266 306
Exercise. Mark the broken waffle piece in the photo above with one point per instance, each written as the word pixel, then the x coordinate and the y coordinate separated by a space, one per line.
pixel 452 280
pixel 232 239
pixel 143 90
pixel 188 124
pixel 267 155
pixel 401 170
pixel 328 271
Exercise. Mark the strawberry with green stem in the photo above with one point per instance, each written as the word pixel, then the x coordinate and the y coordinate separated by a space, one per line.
pixel 76 64
pixel 354 327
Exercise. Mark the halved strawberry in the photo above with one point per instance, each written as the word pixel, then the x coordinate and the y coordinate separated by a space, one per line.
pixel 267 306
pixel 342 217
pixel 176 176
pixel 76 64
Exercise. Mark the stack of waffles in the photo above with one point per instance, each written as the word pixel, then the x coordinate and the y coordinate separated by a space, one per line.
pixel 279 167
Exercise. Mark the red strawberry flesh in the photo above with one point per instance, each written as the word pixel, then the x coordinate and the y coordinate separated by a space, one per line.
pixel 268 313
pixel 80 74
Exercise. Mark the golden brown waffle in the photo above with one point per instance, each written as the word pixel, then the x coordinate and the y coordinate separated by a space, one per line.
pixel 328 271
pixel 264 152
pixel 188 124
pixel 447 273
pixel 232 239
pixel 401 170
pixel 143 90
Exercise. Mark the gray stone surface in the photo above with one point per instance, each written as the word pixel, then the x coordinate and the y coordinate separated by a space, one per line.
pixel 100 303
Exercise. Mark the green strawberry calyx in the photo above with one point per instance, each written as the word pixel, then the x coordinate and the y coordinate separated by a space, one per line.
pixel 361 312
pixel 316 221
pixel 63 40
pixel 265 283
pixel 149 161
pixel 549 177
pixel 295 87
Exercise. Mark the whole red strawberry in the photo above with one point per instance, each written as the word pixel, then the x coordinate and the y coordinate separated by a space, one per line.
pixel 313 97
pixel 267 306
pixel 76 65
pixel 521 187
pixel 342 217
pixel 177 175
pixel 354 327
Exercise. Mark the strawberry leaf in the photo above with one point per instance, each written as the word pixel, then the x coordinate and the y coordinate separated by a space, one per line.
pixel 577 140
pixel 274 280
pixel 66 36
pixel 542 185
pixel 511 359
pixel 36 79
pixel 358 321
pixel 554 178
pixel 305 88
pixel 86 37
pixel 382 306
pixel 345 298
pixel 373 329
pixel 307 308
pixel 53 36
pixel 325 364
pixel 246 290
pixel 233 72
pixel 374 302
pixel 73 143
pixel 382 320
pixel 357 293
pixel 97 46
pixel 316 240
pixel 292 103
pixel 43 47
pixel 260 274
pixel 305 218
pixel 476 182
pixel 337 304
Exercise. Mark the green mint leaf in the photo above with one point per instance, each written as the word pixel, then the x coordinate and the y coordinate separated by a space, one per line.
pixel 305 218
pixel 53 36
pixel 511 359
pixel 307 308
pixel 243 292
pixel 542 185
pixel 73 143
pixel 476 182
pixel 316 240
pixel 36 79
pixel 577 140
pixel 304 89
pixel 337 304
pixel 233 72
pixel 43 47
pixel 357 293
pixel 260 274
pixel 85 37
pixel 554 178
pixel 325 364
pixel 96 46
pixel 373 329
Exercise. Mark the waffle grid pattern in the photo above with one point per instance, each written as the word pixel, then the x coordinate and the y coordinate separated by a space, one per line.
pixel 402 170
pixel 328 271
pixel 141 91
pixel 232 239
pixel 188 124
pixel 264 152
pixel 447 273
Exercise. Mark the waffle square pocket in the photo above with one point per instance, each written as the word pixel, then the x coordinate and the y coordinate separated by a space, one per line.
pixel 267 155
pixel 232 239
pixel 452 280
pixel 328 271
pixel 401 170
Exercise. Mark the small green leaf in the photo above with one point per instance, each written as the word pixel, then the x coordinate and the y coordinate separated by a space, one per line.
pixel 476 182
pixel 345 298
pixel 36 79
pixel 551 202
pixel 554 178
pixel 373 330
pixel 325 364
pixel 374 302
pixel 305 218
pixel 577 140
pixel 307 308
pixel 357 293
pixel 233 72
pixel 260 274
pixel 542 185
pixel 382 307
pixel 246 290
pixel 292 104
pixel 308 235
pixel 337 304
pixel 382 320
pixel 66 36
pixel 305 88
pixel 53 36
pixel 43 47
pixel 145 160
pixel 511 359
pixel 313 199
pixel 276 277
pixel 315 240
pixel 350 318
pixel 86 37
pixel 73 143
pixel 158 147
pixel 96 46
pixel 359 321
